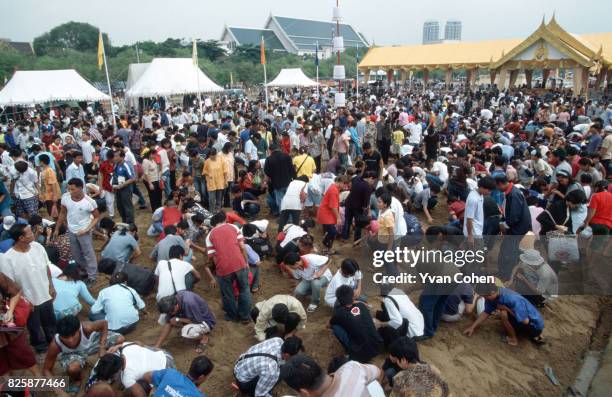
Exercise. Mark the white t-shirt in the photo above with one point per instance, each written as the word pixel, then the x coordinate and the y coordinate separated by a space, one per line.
pixel 400 223
pixel 78 213
pixel 29 271
pixel 442 169
pixel 138 361
pixel 416 130
pixel 474 210
pixel 25 184
pixel 250 150
pixel 337 281
pixel 315 263
pixel 291 200
pixel 88 152
pixel 179 270
pixel 407 310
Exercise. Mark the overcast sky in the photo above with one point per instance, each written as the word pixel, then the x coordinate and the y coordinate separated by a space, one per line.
pixel 385 22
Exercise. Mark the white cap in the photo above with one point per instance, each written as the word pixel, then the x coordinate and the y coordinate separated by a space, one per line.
pixel 8 222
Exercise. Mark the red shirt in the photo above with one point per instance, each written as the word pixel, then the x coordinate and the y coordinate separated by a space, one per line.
pixel 106 169
pixel 575 166
pixel 458 207
pixel 223 243
pixel 331 199
pixel 286 145
pixel 602 204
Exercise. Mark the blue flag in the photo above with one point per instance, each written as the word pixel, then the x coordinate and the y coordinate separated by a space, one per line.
pixel 317 55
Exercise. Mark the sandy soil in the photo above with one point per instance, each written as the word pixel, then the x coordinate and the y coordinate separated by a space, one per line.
pixel 478 366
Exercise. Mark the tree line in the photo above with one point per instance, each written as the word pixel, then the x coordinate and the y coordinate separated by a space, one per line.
pixel 74 45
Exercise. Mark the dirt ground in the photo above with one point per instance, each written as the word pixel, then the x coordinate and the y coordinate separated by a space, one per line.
pixel 477 366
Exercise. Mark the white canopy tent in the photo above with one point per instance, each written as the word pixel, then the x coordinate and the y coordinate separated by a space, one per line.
pixel 171 76
pixel 28 87
pixel 292 78
pixel 135 71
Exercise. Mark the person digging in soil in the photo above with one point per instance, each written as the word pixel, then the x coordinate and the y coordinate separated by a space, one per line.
pixel 189 312
pixel 518 315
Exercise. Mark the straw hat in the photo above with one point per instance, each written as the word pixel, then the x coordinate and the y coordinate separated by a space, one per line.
pixel 531 257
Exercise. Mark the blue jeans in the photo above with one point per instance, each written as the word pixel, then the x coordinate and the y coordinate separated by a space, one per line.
pixel 167 186
pixel 271 200
pixel 342 336
pixel 215 200
pixel 278 196
pixel 432 307
pixel 312 288
pixel 236 310
pixel 251 209
pixel 137 192
pixel 434 180
pixel 6 212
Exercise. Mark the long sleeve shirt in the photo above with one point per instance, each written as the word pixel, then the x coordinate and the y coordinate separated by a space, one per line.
pixel 264 319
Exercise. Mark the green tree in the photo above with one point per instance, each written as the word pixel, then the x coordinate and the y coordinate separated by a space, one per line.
pixel 77 36
pixel 247 53
pixel 210 49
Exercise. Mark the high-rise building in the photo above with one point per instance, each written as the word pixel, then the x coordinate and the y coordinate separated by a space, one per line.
pixel 452 30
pixel 431 32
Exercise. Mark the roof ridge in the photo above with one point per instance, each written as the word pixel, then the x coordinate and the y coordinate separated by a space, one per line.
pixel 242 27
pixel 312 20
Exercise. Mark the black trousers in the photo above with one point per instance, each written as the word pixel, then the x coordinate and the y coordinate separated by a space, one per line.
pixel 41 326
pixel 288 216
pixel 155 195
pixel 330 235
pixel 317 161
pixel 123 198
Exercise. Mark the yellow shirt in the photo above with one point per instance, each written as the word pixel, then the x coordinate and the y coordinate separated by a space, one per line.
pixel 214 171
pixel 398 137
pixel 48 185
pixel 307 168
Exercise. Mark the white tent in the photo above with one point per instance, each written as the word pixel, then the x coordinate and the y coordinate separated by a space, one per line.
pixel 292 78
pixel 172 76
pixel 135 71
pixel 42 86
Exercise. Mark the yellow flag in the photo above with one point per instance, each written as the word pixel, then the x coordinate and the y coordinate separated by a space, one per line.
pixel 262 49
pixel 194 53
pixel 100 51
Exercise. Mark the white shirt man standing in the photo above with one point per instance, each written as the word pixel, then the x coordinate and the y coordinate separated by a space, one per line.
pixel 80 213
pixel 474 209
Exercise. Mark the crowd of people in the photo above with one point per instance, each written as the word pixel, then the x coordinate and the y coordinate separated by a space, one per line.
pixel 237 183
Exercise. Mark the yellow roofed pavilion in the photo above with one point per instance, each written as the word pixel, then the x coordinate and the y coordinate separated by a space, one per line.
pixel 549 47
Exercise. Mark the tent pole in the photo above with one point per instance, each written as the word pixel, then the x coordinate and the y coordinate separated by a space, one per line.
pixel 110 93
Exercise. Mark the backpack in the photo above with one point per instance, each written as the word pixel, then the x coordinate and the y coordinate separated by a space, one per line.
pixel 261 245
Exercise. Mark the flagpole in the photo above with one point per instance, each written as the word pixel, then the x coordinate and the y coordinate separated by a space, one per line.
pixel 317 60
pixel 263 58
pixel 196 62
pixel 357 70
pixel 110 93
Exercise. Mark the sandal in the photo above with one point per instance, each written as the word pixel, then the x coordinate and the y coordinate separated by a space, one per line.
pixel 254 290
pixel 200 347
pixel 538 341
